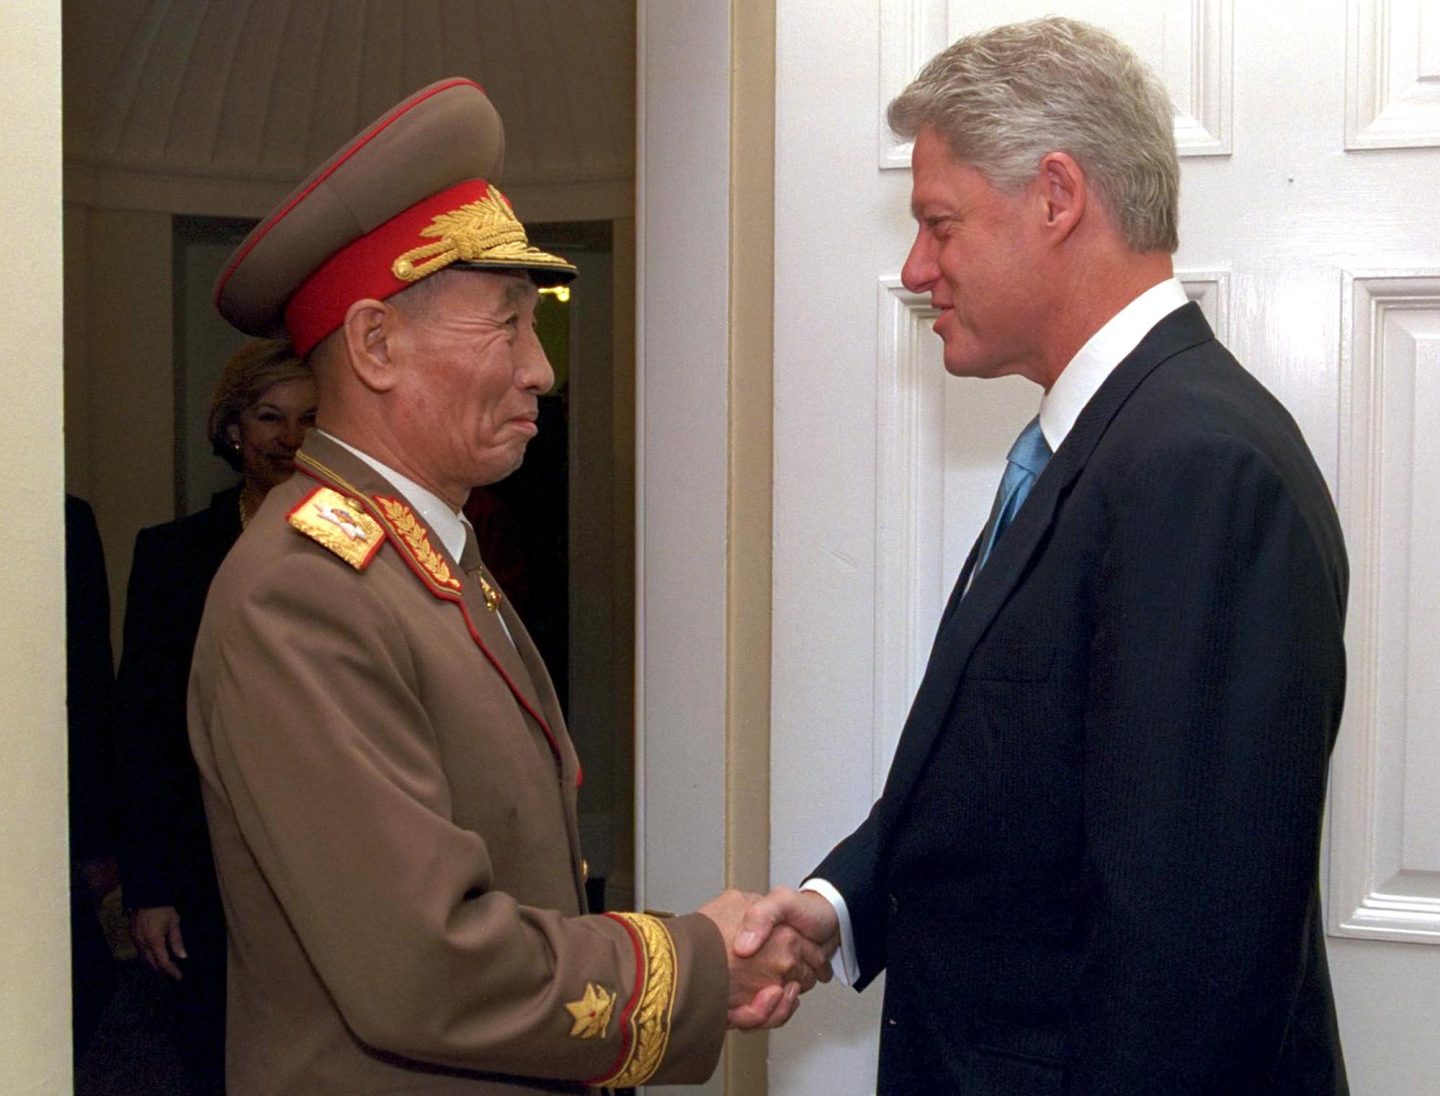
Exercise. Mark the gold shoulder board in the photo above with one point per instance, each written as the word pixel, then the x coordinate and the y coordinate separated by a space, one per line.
pixel 340 524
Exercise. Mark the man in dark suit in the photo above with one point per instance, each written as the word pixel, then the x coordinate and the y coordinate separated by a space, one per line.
pixel 1093 868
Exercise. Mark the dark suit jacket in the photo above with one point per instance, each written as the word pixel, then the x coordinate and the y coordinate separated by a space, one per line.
pixel 1093 867
pixel 89 685
pixel 166 859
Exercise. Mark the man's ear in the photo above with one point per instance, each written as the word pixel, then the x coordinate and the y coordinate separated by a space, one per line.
pixel 1064 193
pixel 372 331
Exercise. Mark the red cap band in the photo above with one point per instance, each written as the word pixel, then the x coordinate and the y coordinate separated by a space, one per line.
pixel 364 268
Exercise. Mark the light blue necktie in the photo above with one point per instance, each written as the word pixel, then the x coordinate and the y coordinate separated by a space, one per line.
pixel 1026 460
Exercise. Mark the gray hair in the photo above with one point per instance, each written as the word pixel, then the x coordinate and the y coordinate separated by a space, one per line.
pixel 416 299
pixel 1004 98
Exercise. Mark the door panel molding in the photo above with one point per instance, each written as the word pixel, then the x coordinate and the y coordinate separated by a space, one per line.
pixel 909 501
pixel 1385 821
pixel 1194 55
pixel 1392 87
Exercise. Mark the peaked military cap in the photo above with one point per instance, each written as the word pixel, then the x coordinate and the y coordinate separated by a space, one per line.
pixel 410 194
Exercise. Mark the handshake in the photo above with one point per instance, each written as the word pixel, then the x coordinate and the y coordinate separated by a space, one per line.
pixel 778 946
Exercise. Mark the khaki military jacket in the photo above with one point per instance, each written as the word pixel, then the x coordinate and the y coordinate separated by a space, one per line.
pixel 391 795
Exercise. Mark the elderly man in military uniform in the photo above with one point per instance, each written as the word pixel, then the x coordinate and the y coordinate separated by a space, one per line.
pixel 390 787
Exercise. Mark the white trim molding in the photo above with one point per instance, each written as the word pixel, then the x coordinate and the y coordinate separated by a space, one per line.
pixel 1210 289
pixel 911 32
pixel 909 500
pixel 1385 798
pixel 1203 87
pixel 682 477
pixel 1392 85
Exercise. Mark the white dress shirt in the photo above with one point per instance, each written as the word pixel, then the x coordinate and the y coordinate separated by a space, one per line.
pixel 1059 408
pixel 449 526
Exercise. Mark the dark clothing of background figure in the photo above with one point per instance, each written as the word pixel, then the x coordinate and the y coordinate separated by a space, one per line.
pixel 166 858
pixel 1093 868
pixel 522 523
pixel 89 689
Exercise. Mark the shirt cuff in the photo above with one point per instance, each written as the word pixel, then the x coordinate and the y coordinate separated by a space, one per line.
pixel 844 962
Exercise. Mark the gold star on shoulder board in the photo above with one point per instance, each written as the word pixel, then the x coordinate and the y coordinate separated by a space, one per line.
pixel 591 1012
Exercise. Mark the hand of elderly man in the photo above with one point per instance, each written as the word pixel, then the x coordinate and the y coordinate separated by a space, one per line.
pixel 767 980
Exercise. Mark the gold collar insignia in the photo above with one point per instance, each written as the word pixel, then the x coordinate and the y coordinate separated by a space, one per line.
pixel 407 526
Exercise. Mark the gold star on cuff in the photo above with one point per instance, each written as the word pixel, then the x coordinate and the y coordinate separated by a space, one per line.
pixel 591 1012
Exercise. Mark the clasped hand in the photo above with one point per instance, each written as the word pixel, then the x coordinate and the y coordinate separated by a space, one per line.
pixel 778 945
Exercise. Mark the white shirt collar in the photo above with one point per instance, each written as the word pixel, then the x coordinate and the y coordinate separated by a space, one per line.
pixel 1097 359
pixel 433 510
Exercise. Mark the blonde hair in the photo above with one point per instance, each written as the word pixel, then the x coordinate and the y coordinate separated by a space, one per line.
pixel 1003 98
pixel 249 373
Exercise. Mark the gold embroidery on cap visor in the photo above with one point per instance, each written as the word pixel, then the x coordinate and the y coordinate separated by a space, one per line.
pixel 484 233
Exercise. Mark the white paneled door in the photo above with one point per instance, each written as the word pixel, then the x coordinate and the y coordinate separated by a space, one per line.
pixel 1310 143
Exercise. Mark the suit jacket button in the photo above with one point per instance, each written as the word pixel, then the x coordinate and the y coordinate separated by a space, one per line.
pixel 894 904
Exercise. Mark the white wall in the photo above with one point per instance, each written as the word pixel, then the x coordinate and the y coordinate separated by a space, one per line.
pixel 34 912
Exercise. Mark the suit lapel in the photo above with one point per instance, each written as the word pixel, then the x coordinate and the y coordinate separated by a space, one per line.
pixel 969 614
pixel 957 593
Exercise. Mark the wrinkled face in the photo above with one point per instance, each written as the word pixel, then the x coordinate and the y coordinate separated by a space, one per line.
pixel 471 370
pixel 978 256
pixel 272 428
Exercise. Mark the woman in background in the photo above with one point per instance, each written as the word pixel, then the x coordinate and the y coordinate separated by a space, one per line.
pixel 261 408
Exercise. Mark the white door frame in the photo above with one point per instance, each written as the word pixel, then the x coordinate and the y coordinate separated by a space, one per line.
pixel 34 880
pixel 682 440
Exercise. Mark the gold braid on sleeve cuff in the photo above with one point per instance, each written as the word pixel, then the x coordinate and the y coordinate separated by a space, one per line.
pixel 645 1023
